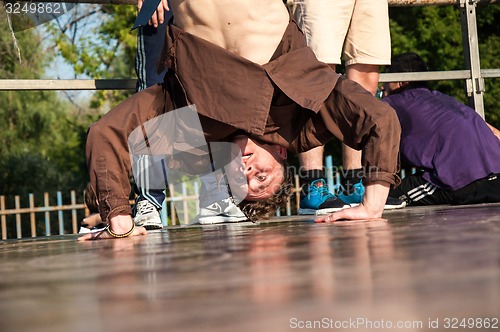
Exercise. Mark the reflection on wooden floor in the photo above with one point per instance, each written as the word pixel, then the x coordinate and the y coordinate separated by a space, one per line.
pixel 421 269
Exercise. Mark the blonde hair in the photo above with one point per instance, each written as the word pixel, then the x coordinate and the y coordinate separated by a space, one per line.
pixel 255 210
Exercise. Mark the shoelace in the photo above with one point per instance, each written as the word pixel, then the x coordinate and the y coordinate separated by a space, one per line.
pixel 322 190
pixel 144 207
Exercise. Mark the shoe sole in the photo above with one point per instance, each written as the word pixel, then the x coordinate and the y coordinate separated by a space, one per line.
pixel 152 227
pixel 219 220
pixel 389 206
pixel 149 225
pixel 394 207
pixel 321 211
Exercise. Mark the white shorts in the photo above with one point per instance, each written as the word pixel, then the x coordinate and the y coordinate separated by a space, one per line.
pixel 359 28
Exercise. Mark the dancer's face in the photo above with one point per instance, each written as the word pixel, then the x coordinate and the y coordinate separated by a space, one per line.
pixel 262 165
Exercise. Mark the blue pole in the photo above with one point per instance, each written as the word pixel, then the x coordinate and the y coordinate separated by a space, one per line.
pixel 329 173
pixel 60 213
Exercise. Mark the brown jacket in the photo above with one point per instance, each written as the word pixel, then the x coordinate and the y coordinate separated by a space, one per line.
pixel 294 101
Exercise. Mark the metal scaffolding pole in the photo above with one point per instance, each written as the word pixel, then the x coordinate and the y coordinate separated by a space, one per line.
pixel 470 42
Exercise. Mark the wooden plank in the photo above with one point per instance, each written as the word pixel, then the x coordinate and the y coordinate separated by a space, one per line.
pixel 32 84
pixel 32 215
pixel 74 221
pixel 3 218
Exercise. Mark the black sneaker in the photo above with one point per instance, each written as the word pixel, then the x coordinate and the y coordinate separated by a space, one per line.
pixel 393 203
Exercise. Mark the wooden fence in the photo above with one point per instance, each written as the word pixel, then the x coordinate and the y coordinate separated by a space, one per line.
pixel 41 217
pixel 64 214
pixel 61 216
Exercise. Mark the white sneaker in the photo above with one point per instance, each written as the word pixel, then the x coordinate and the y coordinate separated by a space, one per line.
pixel 220 212
pixel 147 215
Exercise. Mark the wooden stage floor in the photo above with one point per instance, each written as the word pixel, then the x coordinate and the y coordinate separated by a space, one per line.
pixel 423 269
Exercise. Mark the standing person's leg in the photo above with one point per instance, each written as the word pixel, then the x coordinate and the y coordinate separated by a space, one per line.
pixel 351 178
pixel 365 75
pixel 314 194
pixel 150 181
pixel 149 46
pixel 322 21
pixel 367 46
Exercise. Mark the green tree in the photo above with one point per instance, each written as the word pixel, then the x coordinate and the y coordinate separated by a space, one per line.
pixel 434 32
pixel 97 42
pixel 40 139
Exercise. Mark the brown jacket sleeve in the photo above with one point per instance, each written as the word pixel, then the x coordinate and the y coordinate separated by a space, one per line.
pixel 107 151
pixel 362 122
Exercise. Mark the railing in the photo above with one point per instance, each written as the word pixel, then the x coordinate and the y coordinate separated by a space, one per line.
pixel 473 74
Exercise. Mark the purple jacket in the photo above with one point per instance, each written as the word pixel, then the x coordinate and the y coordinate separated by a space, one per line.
pixel 446 138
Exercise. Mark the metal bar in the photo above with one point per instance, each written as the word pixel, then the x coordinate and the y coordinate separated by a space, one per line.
pixel 425 76
pixel 60 214
pixel 130 84
pixel 470 43
pixel 490 73
pixel 436 75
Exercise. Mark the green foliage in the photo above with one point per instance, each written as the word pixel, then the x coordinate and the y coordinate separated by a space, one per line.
pixel 434 32
pixel 97 42
pixel 41 139
pixel 489 37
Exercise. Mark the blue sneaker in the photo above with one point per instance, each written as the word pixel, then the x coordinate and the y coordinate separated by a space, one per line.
pixel 356 196
pixel 319 200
